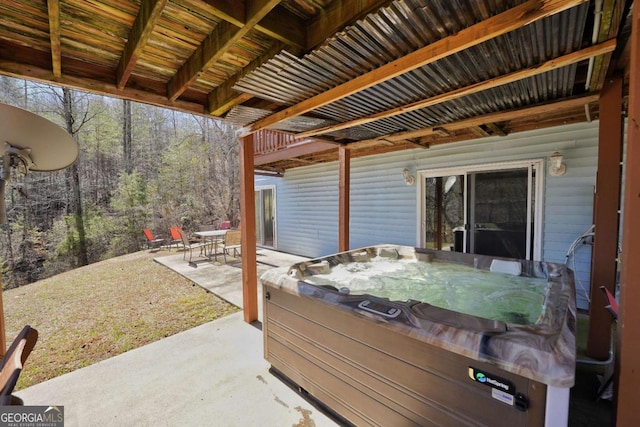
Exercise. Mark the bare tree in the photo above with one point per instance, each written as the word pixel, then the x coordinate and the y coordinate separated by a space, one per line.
pixel 74 178
pixel 126 137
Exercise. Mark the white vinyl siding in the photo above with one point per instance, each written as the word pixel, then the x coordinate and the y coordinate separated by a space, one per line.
pixel 385 210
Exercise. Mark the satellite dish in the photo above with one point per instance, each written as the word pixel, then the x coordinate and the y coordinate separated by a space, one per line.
pixel 31 143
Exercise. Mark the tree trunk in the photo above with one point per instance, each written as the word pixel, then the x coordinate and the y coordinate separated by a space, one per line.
pixel 74 182
pixel 126 138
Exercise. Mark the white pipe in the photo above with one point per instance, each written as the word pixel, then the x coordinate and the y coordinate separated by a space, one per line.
pixel 597 19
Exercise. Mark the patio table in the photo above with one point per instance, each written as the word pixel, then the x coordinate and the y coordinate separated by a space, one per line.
pixel 214 236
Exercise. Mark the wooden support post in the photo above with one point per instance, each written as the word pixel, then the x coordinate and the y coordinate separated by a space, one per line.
pixel 628 331
pixel 248 221
pixel 343 199
pixel 606 205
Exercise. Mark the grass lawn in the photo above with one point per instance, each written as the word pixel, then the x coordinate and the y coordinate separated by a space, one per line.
pixel 102 310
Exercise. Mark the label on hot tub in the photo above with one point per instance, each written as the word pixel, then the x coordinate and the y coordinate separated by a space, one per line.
pixel 502 396
pixel 505 387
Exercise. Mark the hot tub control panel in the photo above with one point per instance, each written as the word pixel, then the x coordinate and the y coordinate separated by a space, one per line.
pixel 379 308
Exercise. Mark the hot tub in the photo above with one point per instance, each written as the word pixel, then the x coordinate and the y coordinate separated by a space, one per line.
pixel 392 335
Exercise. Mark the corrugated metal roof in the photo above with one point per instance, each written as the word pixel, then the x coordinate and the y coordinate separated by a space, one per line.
pixel 403 27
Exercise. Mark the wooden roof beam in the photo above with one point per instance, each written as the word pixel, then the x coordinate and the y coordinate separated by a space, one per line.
pixel 490 28
pixel 301 149
pixel 496 129
pixel 563 61
pixel 53 9
pixel 338 15
pixel 502 116
pixel 232 11
pixel 20 70
pixel 150 12
pixel 221 39
pixel 223 98
pixel 278 24
pixel 479 132
pixel 612 15
pixel 284 27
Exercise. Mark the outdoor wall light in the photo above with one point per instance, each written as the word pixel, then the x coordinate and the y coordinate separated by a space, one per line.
pixel 556 167
pixel 408 179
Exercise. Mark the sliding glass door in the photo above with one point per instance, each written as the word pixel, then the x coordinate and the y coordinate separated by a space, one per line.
pixel 498 213
pixel 487 210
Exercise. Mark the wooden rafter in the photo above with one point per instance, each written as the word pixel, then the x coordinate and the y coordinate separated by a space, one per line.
pixel 547 66
pixel 487 118
pixel 37 74
pixel 223 98
pixel 609 26
pixel 277 24
pixel 221 39
pixel 150 12
pixel 301 149
pixel 287 29
pixel 53 8
pixel 490 28
pixel 479 132
pixel 335 17
pixel 338 15
pixel 232 11
pixel 496 129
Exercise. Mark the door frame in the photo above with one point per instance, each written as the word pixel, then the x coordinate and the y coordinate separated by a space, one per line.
pixel 536 165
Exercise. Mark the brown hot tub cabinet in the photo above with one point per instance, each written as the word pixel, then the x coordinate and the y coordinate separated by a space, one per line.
pixel 388 363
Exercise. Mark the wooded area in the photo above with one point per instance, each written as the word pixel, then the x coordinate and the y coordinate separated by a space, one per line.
pixel 139 166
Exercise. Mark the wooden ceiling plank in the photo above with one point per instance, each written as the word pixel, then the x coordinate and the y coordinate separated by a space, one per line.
pixel 19 70
pixel 223 98
pixel 211 49
pixel 338 15
pixel 221 39
pixel 563 61
pixel 148 16
pixel 490 28
pixel 53 9
pixel 496 117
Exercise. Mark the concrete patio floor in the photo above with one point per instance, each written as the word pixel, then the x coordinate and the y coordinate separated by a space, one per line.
pixel 214 374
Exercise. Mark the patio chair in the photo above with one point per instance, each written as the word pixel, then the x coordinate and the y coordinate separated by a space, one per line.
pixel 191 246
pixel 232 242
pixel 174 236
pixel 12 363
pixel 612 304
pixel 152 242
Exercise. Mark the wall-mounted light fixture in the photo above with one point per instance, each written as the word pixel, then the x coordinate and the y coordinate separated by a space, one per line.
pixel 408 178
pixel 556 167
